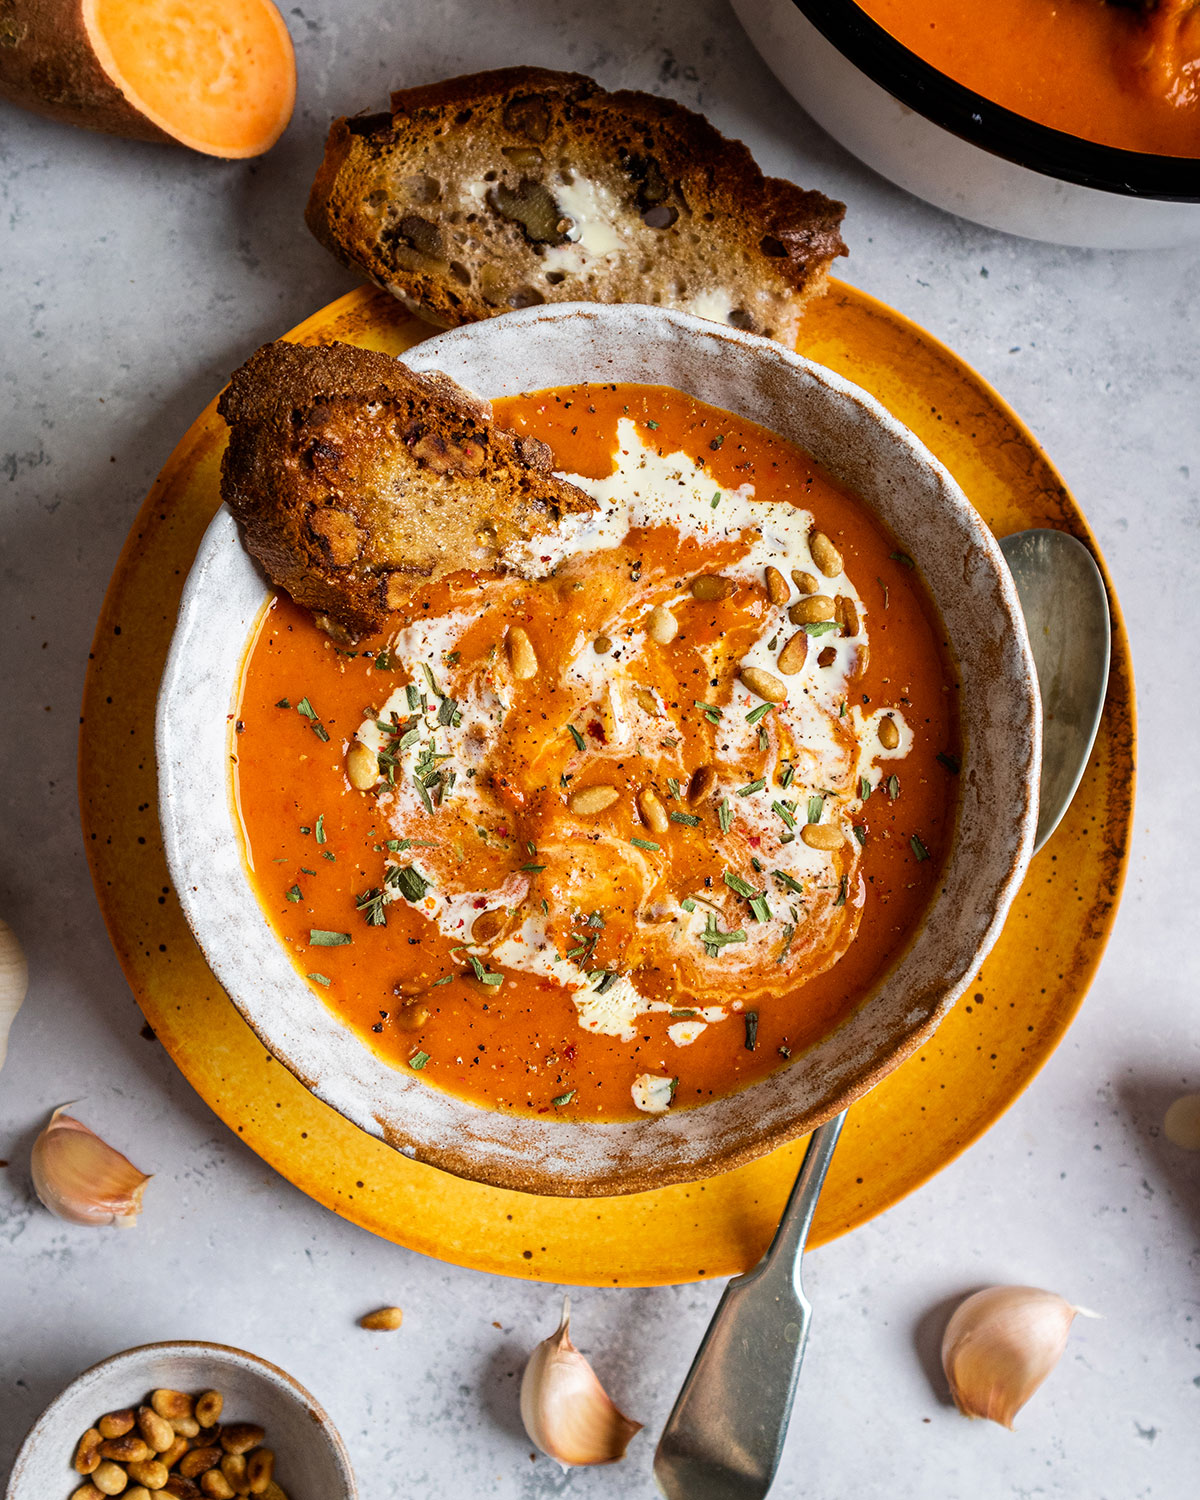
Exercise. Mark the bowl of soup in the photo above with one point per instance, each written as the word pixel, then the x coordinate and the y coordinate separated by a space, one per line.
pixel 1076 122
pixel 627 866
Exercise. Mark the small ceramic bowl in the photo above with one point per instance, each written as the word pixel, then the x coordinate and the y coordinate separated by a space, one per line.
pixel 311 1462
pixel 855 438
pixel 926 132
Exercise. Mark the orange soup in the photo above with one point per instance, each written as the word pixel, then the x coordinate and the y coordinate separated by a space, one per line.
pixel 632 833
pixel 1110 73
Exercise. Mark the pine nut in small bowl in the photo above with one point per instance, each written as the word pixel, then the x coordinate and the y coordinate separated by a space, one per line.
pixel 188 1419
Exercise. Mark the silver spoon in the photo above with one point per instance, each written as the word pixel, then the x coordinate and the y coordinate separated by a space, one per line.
pixel 725 1434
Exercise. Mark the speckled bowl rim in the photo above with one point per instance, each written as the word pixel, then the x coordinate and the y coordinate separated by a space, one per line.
pixel 577 1158
pixel 181 1348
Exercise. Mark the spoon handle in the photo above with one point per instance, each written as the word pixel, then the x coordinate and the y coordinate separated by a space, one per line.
pixel 725 1433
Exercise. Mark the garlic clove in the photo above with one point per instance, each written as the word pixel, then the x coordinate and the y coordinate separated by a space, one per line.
pixel 14 982
pixel 1000 1345
pixel 566 1410
pixel 82 1179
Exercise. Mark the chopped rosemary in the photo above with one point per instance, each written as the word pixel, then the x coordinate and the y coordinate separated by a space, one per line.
pixel 752 787
pixel 714 939
pixel 371 903
pixel 431 679
pixel 319 938
pixel 295 894
pixel 683 1015
pixel 576 736
pixel 785 779
pixel 860 832
pixel 688 904
pixel 445 979
pixel 739 886
pixel 864 788
pixel 563 1099
pixel 789 932
pixel 606 983
pixel 781 809
pixel 951 762
pixel 760 712
pixel 689 820
pixel 413 694
pixel 841 895
pixel 673 788
pixel 418 1060
pixel 283 703
pixel 321 839
pixel 449 714
pixel 816 806
pixel 788 882
pixel 918 848
pixel 893 787
pixel 751 1020
pixel 820 627
pixel 902 557
pixel 652 425
pixel 758 905
pixel 710 711
pixel 784 1052
pixel 537 869
pixel 411 884
pixel 305 707
pixel 716 500
pixel 646 844
pixel 725 815
pixel 383 659
pixel 319 979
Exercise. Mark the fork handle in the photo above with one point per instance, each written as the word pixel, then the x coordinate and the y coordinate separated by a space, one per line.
pixel 725 1433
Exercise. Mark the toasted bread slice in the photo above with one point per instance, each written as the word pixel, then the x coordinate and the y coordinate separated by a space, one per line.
pixel 521 186
pixel 356 479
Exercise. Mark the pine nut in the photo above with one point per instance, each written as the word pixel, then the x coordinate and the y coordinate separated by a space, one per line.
pixel 214 1484
pixel 109 1478
pixel 198 1461
pixel 151 1472
pixel 260 1466
pixel 765 684
pixel 794 654
pixel 87 1453
pixel 115 1424
pixel 602 645
pixel 180 1488
pixel 124 1449
pixel 661 625
pixel 157 1431
pixel 240 1437
pixel 412 1018
pixel 889 734
pixel 704 778
pixel 647 701
pixel 171 1404
pixel 811 611
pixel 233 1466
pixel 521 654
pixel 805 582
pixel 777 589
pixel 654 814
pixel 827 656
pixel 822 835
pixel 383 1320
pixel 362 768
pixel 209 1407
pixel 179 1446
pixel 186 1427
pixel 862 658
pixel 710 586
pixel 825 554
pixel 138 1492
pixel 593 799
pixel 86 1492
pixel 846 614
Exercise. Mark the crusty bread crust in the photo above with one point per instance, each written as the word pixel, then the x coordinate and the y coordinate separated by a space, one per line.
pixel 356 479
pixel 421 201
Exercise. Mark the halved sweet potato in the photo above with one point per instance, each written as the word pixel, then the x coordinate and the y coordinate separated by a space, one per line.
pixel 216 75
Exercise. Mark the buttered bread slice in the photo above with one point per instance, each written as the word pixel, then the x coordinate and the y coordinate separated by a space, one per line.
pixel 356 479
pixel 521 186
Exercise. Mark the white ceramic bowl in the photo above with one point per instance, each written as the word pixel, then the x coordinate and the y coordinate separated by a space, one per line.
pixel 927 133
pixel 851 435
pixel 311 1459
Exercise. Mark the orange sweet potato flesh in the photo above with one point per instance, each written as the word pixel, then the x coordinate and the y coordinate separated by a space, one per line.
pixel 216 75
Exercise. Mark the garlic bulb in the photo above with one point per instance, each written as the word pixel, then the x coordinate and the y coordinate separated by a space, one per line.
pixel 1000 1345
pixel 14 981
pixel 83 1179
pixel 565 1409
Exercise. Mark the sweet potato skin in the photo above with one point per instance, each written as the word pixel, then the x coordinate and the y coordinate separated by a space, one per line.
pixel 47 65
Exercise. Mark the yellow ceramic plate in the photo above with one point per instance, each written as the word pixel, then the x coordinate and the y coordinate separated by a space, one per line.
pixel 916 1121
